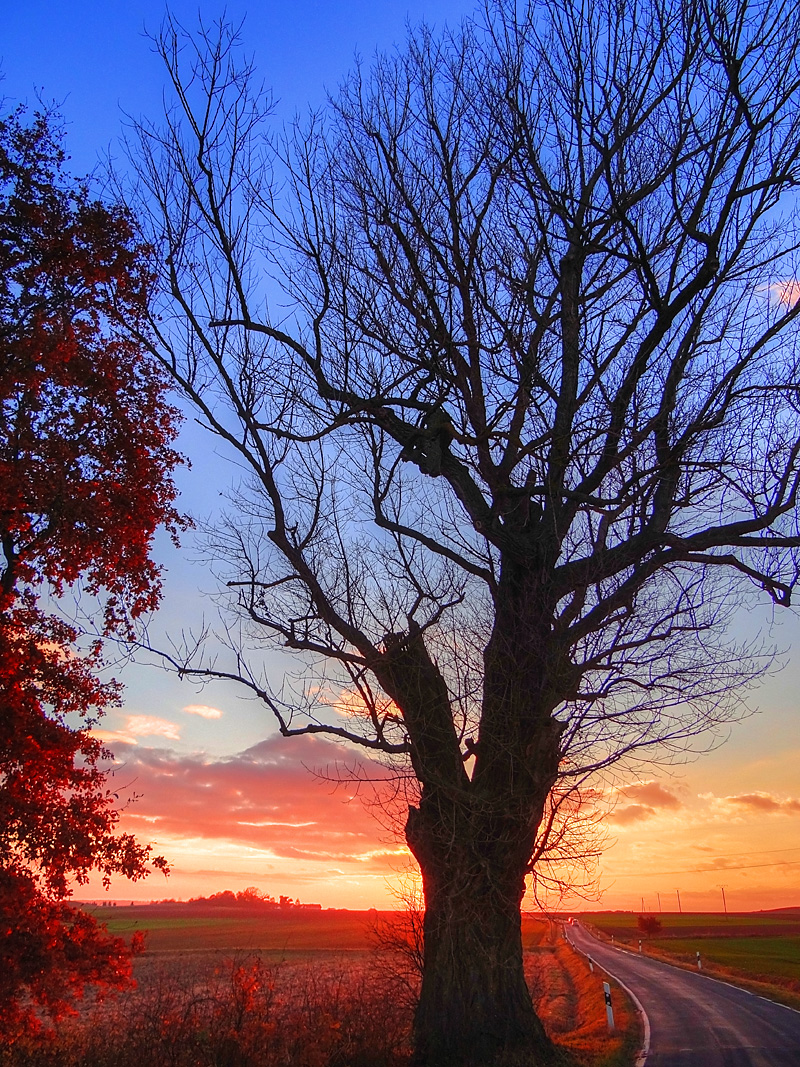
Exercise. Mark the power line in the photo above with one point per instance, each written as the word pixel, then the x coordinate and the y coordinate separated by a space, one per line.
pixel 731 867
pixel 757 852
pixel 710 870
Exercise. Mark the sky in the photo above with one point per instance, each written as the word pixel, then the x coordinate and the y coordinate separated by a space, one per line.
pixel 207 780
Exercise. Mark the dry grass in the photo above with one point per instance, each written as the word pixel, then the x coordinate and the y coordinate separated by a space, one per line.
pixel 569 1000
pixel 242 1013
pixel 200 1009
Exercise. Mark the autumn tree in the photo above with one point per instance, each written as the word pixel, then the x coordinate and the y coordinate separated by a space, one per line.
pixel 85 480
pixel 504 342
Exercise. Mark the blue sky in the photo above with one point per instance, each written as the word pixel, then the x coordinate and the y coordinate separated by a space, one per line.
pixel 714 821
pixel 96 63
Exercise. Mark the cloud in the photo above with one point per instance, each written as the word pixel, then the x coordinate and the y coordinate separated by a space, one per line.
pixel 110 737
pixel 203 710
pixel 151 726
pixel 786 292
pixel 265 798
pixel 765 802
pixel 651 793
pixel 633 813
pixel 350 704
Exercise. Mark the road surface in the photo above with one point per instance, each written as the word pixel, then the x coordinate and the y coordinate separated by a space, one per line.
pixel 695 1021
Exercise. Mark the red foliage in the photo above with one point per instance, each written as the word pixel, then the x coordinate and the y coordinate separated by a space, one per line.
pixel 85 480
pixel 84 454
pixel 51 953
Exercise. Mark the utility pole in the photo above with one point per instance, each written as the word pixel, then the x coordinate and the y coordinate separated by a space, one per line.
pixel 680 910
pixel 659 901
pixel 724 904
pixel 642 905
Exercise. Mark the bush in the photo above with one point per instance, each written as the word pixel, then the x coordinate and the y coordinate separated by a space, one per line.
pixel 649 925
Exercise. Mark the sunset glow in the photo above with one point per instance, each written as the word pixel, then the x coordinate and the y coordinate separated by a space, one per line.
pixel 200 772
pixel 274 816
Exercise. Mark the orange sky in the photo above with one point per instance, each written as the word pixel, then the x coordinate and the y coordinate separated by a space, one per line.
pixel 270 815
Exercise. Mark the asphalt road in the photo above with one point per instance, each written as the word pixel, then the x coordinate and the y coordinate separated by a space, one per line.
pixel 695 1021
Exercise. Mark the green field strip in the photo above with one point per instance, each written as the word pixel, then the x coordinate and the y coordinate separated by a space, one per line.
pixel 676 921
pixel 767 957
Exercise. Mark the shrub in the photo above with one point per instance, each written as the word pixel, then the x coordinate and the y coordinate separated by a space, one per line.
pixel 649 925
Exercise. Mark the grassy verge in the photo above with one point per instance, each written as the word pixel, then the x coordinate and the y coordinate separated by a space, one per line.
pixel 569 1000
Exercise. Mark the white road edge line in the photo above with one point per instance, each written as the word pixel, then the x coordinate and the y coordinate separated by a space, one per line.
pixel 730 985
pixel 687 970
pixel 644 1052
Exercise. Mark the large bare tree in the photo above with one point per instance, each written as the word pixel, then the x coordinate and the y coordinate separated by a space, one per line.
pixel 505 341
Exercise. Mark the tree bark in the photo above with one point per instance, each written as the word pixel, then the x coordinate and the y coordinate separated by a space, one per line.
pixel 475 1009
pixel 473 840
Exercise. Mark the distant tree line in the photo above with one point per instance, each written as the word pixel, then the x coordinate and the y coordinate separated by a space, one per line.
pixel 245 898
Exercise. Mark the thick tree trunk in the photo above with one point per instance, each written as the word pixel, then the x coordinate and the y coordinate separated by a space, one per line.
pixel 474 1009
pixel 473 837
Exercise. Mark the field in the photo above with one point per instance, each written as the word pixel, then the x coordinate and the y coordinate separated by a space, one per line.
pixel 290 933
pixel 759 950
pixel 295 988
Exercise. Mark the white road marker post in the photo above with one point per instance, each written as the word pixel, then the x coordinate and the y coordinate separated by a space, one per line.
pixel 591 964
pixel 609 1009
pixel 640 944
pixel 699 962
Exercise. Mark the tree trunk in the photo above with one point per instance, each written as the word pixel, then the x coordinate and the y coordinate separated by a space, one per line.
pixel 474 1009
pixel 473 837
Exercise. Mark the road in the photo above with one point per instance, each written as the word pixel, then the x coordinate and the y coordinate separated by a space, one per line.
pixel 696 1021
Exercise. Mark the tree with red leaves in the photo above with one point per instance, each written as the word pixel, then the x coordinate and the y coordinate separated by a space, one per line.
pixel 85 481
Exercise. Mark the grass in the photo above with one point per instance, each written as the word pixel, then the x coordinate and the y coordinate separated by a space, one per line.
pixel 569 999
pixel 709 922
pixel 240 1012
pixel 764 959
pixel 288 933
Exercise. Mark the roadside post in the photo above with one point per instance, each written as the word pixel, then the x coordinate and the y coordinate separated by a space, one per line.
pixel 591 964
pixel 699 963
pixel 609 1009
pixel 640 944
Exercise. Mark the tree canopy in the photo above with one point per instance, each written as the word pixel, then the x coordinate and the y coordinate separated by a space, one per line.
pixel 504 340
pixel 86 460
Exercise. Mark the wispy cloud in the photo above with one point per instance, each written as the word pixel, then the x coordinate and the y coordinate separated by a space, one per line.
pixel 651 793
pixel 203 710
pixel 649 797
pixel 786 292
pixel 152 726
pixel 114 737
pixel 765 802
pixel 632 813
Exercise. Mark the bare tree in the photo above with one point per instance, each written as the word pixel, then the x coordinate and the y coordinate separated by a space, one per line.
pixel 504 339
